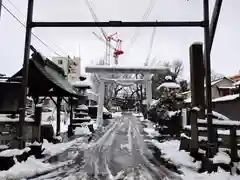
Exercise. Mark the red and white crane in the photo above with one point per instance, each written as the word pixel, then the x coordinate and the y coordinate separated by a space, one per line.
pixel 117 49
pixel 107 39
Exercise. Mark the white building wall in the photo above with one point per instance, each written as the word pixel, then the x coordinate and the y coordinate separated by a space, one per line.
pixel 65 63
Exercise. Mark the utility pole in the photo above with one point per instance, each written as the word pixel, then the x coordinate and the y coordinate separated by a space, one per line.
pixel 24 89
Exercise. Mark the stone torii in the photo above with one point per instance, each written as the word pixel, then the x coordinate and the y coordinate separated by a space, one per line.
pixel 103 70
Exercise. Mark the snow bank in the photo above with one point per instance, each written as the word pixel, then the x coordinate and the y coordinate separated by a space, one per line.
pixel 220 175
pixel 170 151
pixel 27 169
pixel 221 157
pixel 82 131
pixel 188 167
pixel 13 152
pixel 53 149
pixel 151 132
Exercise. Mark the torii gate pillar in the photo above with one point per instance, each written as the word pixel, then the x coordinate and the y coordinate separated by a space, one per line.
pixel 101 90
pixel 148 83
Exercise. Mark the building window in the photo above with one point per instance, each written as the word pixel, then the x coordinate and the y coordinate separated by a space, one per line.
pixel 60 62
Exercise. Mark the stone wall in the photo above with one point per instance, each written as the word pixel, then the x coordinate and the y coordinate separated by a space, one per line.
pixel 8 132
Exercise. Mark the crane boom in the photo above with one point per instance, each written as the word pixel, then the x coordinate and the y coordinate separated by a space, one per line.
pixel 103 40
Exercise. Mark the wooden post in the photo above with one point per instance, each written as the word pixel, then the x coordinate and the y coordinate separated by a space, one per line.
pixel 194 145
pixel 71 110
pixel 59 100
pixel 233 144
pixel 36 129
pixel 197 78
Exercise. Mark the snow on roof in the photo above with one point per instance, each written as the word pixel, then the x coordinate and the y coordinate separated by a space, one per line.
pixel 223 98
pixel 236 83
pixel 218 115
pixel 215 81
pixel 226 98
pixel 81 84
pixel 226 87
pixel 4 118
pixel 13 152
pixel 82 107
pixel 169 85
pixel 220 79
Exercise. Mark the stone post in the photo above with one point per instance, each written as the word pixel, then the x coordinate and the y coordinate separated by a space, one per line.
pixel 36 128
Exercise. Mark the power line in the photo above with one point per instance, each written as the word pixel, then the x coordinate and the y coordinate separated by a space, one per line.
pixel 23 15
pixel 20 22
pixel 145 17
pixel 151 45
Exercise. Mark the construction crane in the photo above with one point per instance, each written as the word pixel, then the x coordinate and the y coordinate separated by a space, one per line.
pixel 108 38
pixel 117 49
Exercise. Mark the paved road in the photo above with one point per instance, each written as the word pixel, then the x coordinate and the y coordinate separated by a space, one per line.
pixel 119 154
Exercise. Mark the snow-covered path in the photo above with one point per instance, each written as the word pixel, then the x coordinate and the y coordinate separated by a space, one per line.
pixel 120 153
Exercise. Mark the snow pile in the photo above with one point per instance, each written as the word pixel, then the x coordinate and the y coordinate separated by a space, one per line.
pixel 137 115
pixel 53 149
pixel 221 157
pixel 116 114
pixel 34 166
pixel 84 130
pixel 185 162
pixel 151 132
pixel 170 151
pixel 27 169
pixel 220 175
pixel 79 131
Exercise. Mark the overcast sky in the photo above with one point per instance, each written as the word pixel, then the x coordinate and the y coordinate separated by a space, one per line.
pixel 170 43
